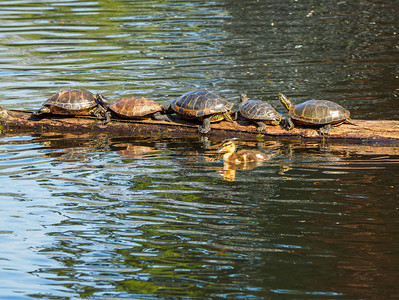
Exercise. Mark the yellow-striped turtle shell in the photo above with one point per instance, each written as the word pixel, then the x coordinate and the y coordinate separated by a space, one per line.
pixel 318 112
pixel 258 111
pixel 204 106
pixel 135 107
pixel 195 105
pixel 70 102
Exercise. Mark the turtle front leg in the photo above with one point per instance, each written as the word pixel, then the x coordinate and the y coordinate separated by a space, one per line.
pixel 235 115
pixel 325 130
pixel 160 117
pixel 206 125
pixel 107 118
pixel 98 111
pixel 287 123
pixel 102 101
pixel 260 126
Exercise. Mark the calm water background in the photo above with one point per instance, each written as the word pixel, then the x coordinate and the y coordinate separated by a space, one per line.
pixel 119 217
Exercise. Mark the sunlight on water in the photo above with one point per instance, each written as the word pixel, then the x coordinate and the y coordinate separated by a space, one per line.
pixel 85 216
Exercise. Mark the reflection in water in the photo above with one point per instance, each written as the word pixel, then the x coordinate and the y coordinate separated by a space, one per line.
pixel 229 170
pixel 128 150
pixel 109 217
pixel 158 220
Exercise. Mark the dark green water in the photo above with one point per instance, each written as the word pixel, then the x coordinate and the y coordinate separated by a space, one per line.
pixel 101 217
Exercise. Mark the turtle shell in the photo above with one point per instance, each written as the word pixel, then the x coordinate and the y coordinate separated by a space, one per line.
pixel 135 107
pixel 198 104
pixel 258 110
pixel 316 112
pixel 71 102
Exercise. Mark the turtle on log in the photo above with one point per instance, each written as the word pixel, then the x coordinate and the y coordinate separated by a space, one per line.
pixel 260 112
pixel 73 103
pixel 135 108
pixel 319 113
pixel 204 106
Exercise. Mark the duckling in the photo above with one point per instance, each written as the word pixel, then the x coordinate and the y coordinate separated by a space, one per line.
pixel 242 156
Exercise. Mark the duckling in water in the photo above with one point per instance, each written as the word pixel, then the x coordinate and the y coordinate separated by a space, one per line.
pixel 242 156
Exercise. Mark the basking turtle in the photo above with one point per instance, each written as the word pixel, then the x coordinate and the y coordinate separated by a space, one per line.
pixel 321 113
pixel 73 103
pixel 203 106
pixel 261 113
pixel 135 108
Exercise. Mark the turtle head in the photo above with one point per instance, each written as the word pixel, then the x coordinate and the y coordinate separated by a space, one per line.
pixel 285 101
pixel 102 101
pixel 244 98
pixel 44 110
pixel 167 108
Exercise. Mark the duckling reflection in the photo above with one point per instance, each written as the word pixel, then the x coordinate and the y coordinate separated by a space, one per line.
pixel 129 150
pixel 228 173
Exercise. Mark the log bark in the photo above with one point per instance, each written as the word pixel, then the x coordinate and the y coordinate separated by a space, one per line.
pixel 377 131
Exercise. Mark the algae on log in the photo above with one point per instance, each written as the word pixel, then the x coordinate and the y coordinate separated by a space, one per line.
pixel 382 131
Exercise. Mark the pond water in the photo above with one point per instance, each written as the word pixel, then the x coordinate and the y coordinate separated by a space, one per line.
pixel 107 217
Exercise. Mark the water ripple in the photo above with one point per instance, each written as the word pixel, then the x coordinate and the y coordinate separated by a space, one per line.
pixel 108 217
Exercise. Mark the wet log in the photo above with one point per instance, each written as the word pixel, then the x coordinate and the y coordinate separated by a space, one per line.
pixel 373 131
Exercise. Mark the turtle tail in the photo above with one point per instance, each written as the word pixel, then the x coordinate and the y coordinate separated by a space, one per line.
pixel 349 121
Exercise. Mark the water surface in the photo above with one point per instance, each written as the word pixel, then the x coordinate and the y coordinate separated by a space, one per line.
pixel 143 217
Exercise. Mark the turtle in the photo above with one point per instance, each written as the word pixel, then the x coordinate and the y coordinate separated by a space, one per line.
pixel 203 106
pixel 135 108
pixel 260 112
pixel 73 103
pixel 320 113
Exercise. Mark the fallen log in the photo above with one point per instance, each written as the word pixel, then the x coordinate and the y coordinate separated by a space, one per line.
pixel 377 131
